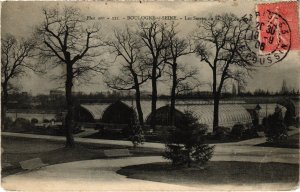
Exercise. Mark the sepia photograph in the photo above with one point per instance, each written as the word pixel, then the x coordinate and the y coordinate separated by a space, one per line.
pixel 150 95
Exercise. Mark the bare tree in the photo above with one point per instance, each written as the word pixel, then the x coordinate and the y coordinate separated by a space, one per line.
pixel 127 46
pixel 178 47
pixel 68 40
pixel 14 62
pixel 153 35
pixel 219 43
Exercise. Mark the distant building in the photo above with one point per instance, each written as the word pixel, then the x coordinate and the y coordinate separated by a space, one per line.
pixel 77 93
pixel 54 93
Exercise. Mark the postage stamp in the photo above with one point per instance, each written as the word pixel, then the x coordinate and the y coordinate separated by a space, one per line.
pixel 278 25
pixel 274 34
pixel 278 32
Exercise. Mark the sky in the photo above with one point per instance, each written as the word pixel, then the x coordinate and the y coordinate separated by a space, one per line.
pixel 21 18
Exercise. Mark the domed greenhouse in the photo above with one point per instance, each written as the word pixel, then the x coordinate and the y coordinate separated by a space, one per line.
pixel 229 114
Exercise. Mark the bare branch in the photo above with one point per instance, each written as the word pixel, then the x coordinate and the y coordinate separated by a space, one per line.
pixel 66 39
pixel 14 56
pixel 218 41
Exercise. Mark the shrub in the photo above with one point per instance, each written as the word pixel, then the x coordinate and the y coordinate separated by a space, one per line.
pixel 265 124
pixel 46 121
pixel 260 128
pixel 76 128
pixel 289 118
pixel 240 131
pixel 163 133
pixel 249 133
pixel 222 132
pixel 185 143
pixel 21 124
pixel 7 122
pixel 60 117
pixel 137 135
pixel 276 130
pixel 34 121
pixel 237 131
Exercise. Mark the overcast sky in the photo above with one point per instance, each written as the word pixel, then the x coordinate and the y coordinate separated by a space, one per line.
pixel 20 19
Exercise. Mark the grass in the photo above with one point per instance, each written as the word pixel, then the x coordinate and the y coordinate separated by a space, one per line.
pixel 55 131
pixel 291 142
pixel 155 138
pixel 54 152
pixel 239 173
pixel 116 135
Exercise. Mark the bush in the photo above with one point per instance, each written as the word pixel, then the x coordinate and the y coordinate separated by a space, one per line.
pixel 34 121
pixel 289 118
pixel 76 128
pixel 185 143
pixel 249 133
pixel 240 131
pixel 46 121
pixel 260 128
pixel 237 131
pixel 276 130
pixel 137 135
pixel 162 133
pixel 61 129
pixel 7 122
pixel 21 124
pixel 222 132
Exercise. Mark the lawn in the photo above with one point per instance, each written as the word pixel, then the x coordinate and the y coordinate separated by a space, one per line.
pixel 155 138
pixel 39 130
pixel 219 173
pixel 50 152
pixel 291 142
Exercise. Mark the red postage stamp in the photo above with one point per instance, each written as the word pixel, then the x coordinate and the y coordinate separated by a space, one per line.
pixel 278 26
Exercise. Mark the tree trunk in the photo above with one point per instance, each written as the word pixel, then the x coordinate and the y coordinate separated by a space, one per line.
pixel 69 99
pixel 216 113
pixel 216 102
pixel 173 94
pixel 4 100
pixel 138 101
pixel 154 98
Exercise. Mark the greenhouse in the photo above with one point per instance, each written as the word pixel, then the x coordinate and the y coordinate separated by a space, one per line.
pixel 94 110
pixel 118 113
pixel 229 114
pixel 162 116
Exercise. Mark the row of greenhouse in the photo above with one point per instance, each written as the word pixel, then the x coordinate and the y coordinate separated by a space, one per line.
pixel 229 114
pixel 122 112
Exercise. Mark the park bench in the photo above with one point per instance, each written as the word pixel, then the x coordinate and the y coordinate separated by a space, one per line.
pixel 117 153
pixel 32 164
